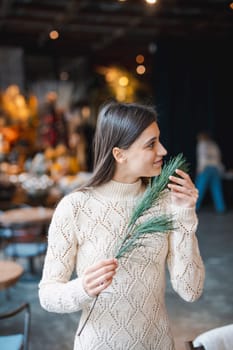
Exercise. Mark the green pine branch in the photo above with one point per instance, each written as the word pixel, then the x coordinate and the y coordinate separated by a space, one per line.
pixel 158 184
pixel 150 197
pixel 133 239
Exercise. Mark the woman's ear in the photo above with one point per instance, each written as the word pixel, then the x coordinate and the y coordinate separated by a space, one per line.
pixel 119 155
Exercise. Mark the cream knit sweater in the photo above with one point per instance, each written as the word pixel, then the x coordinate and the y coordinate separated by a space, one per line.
pixel 131 313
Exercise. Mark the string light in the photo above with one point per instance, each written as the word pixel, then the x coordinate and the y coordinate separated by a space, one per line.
pixel 141 69
pixel 140 59
pixel 54 35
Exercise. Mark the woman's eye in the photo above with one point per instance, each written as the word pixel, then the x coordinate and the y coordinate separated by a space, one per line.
pixel 151 145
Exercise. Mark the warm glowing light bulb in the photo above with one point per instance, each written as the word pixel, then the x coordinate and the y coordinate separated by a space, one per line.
pixel 151 1
pixel 141 69
pixel 231 5
pixel 111 75
pixel 54 35
pixel 140 59
pixel 123 81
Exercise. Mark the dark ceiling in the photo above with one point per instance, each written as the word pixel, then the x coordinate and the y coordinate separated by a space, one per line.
pixel 109 30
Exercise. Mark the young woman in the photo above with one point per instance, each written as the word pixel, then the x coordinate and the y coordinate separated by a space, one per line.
pixel 88 225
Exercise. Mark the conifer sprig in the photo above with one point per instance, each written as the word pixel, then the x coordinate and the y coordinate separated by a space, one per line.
pixel 158 184
pixel 162 223
pixel 134 239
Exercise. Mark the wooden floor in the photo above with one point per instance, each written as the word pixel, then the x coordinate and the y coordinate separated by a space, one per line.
pixel 214 308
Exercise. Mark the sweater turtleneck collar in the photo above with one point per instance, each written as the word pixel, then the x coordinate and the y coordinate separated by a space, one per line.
pixel 119 190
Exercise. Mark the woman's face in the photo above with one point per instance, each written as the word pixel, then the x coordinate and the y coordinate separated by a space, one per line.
pixel 144 158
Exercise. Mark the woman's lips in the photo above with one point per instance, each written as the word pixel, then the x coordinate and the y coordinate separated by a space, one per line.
pixel 158 163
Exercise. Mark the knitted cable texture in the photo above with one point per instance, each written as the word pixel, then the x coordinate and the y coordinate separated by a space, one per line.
pixel 131 313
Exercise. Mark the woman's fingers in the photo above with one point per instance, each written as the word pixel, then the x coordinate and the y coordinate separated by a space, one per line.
pixel 190 191
pixel 183 189
pixel 100 264
pixel 103 278
pixel 99 276
pixel 182 173
pixel 101 271
pixel 183 178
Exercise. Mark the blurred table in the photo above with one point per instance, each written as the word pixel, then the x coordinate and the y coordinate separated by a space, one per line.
pixel 10 272
pixel 26 238
pixel 26 215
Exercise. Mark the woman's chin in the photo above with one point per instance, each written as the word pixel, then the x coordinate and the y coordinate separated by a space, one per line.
pixel 157 172
pixel 153 172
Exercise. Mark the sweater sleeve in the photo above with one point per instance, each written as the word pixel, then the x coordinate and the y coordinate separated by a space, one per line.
pixel 57 292
pixel 184 260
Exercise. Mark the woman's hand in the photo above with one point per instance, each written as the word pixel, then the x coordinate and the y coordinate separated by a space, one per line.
pixel 184 192
pixel 99 276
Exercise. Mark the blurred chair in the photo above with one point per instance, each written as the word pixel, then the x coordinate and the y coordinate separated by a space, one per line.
pixel 20 340
pixel 24 241
pixel 220 338
pixel 5 232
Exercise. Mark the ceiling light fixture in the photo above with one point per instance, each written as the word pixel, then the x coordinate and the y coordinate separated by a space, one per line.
pixel 54 35
pixel 151 1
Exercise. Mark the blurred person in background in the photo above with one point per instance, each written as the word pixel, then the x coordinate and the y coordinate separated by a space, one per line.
pixel 209 171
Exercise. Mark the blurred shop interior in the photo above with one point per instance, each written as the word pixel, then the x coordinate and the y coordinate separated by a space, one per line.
pixel 60 60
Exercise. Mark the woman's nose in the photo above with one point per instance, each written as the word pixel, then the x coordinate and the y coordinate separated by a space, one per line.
pixel 162 150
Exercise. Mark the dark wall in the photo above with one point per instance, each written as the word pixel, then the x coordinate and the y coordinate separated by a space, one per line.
pixel 193 91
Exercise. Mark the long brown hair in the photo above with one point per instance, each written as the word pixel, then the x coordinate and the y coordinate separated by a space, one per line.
pixel 118 125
